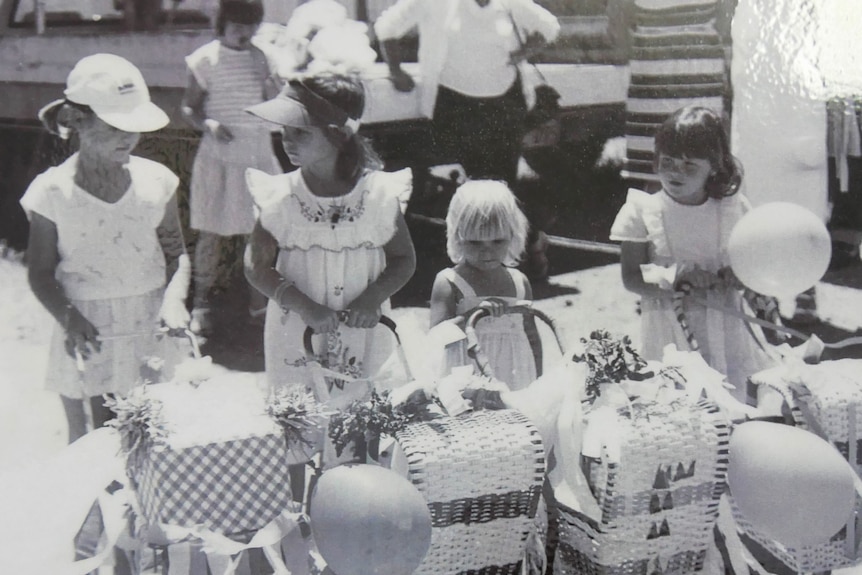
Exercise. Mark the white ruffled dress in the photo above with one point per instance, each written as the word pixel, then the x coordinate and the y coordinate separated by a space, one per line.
pixel 332 249
pixel 683 234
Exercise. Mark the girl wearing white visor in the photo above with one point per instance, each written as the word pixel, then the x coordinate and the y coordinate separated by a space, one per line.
pixel 330 245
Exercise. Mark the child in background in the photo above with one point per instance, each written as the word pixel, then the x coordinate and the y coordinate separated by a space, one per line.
pixel 679 236
pixel 226 76
pixel 486 231
pixel 330 243
pixel 104 233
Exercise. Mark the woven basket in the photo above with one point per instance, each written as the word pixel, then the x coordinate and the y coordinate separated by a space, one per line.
pixel 826 399
pixel 482 475
pixel 658 502
pixel 838 552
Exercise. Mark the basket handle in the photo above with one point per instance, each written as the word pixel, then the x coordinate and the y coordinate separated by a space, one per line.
pixel 385 320
pixel 474 350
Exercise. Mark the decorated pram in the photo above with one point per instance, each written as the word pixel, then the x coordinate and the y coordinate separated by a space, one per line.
pixel 646 471
pixel 825 399
pixel 207 470
pixel 481 473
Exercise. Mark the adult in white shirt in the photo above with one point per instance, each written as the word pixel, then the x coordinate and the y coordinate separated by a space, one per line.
pixel 470 52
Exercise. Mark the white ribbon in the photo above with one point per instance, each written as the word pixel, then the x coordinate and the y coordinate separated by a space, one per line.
pixel 224 554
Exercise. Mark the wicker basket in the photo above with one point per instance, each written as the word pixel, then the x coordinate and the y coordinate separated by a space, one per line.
pixel 839 552
pixel 658 500
pixel 826 399
pixel 482 475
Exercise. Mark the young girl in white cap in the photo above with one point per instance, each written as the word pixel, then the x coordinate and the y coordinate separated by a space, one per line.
pixel 104 234
pixel 330 242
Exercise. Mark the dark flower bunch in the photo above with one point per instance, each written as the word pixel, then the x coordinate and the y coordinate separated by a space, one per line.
pixel 364 420
pixel 609 360
pixel 296 411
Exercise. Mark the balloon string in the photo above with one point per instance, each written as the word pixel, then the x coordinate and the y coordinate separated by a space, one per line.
pixel 684 290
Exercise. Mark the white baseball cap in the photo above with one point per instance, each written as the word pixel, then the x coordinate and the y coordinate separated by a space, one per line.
pixel 116 92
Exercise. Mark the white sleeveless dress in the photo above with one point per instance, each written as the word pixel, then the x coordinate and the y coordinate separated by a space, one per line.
pixel 503 338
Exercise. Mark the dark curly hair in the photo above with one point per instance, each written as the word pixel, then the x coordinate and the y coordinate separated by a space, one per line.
pixel 698 132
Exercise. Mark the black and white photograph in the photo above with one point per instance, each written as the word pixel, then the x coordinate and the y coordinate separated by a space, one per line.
pixel 430 287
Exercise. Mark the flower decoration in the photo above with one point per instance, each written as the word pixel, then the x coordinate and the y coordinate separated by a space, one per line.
pixel 297 412
pixel 362 421
pixel 609 360
pixel 140 423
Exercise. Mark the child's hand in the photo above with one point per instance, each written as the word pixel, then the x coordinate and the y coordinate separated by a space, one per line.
pixel 696 277
pixel 483 399
pixel 174 314
pixel 218 130
pixel 363 312
pixel 729 279
pixel 319 317
pixel 81 335
pixel 495 306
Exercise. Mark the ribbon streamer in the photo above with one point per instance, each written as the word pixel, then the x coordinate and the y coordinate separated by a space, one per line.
pixel 685 290
pixel 224 554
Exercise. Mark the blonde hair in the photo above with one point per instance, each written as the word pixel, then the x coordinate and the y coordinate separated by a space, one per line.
pixel 485 209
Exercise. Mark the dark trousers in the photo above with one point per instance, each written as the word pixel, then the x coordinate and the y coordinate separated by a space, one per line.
pixel 482 134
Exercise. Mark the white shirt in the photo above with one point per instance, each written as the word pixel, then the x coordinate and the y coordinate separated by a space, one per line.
pixel 434 18
pixel 483 38
pixel 107 250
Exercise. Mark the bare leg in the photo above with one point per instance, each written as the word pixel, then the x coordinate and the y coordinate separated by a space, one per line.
pixel 205 272
pixel 75 417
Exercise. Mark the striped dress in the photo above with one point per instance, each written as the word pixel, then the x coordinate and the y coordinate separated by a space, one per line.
pixel 233 80
pixel 677 60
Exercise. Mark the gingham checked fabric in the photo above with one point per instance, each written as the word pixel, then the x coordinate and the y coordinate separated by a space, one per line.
pixel 228 487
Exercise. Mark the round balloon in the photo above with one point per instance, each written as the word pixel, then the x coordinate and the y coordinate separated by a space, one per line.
pixel 779 249
pixel 790 484
pixel 368 520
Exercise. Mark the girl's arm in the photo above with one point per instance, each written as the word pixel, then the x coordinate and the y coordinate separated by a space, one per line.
pixel 42 260
pixel 192 109
pixel 174 313
pixel 632 256
pixel 364 311
pixel 442 300
pixel 261 253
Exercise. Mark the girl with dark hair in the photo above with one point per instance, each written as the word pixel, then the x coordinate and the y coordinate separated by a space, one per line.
pixel 226 76
pixel 330 245
pixel 677 238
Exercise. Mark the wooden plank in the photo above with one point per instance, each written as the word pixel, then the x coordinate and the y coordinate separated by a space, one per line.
pixel 558 241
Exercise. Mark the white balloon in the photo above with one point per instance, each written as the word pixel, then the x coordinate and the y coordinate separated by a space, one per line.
pixel 779 249
pixel 790 484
